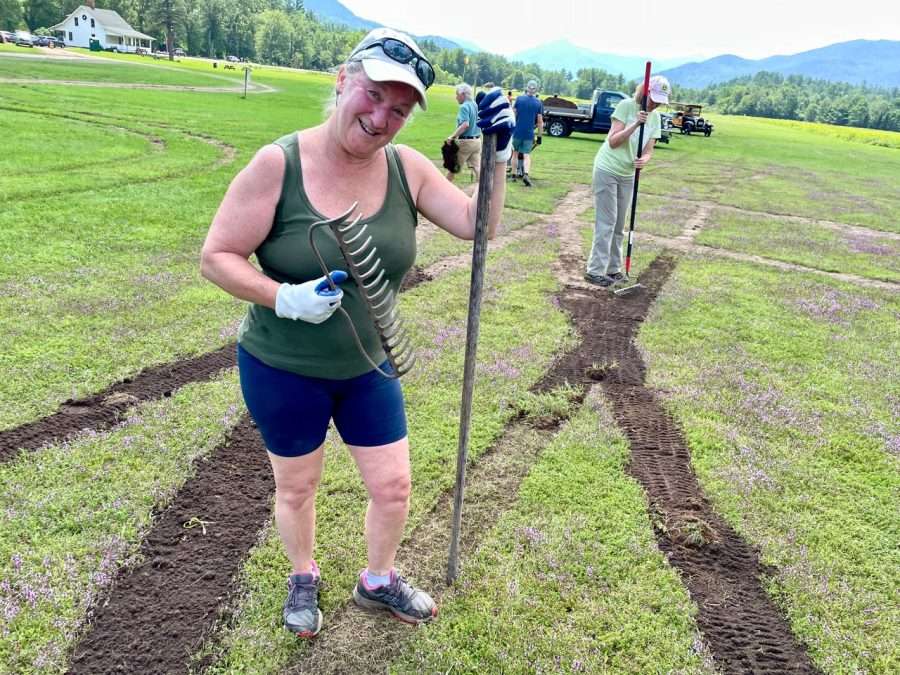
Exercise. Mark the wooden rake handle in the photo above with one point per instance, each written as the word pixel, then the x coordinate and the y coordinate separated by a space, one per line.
pixel 479 254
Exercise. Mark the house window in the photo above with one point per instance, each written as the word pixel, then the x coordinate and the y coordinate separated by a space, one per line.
pixel 70 36
pixel 92 23
pixel 76 22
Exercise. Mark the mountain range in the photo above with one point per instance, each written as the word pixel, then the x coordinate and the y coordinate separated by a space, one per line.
pixel 332 11
pixel 562 54
pixel 874 62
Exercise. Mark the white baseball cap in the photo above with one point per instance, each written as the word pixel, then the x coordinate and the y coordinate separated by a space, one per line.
pixel 531 87
pixel 375 51
pixel 659 89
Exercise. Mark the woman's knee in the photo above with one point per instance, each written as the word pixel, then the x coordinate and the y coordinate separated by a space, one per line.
pixel 298 493
pixel 394 489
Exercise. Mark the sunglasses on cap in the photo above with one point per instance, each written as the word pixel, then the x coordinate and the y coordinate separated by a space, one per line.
pixel 403 53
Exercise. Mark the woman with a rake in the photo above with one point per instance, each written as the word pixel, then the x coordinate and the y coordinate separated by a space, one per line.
pixel 613 180
pixel 299 365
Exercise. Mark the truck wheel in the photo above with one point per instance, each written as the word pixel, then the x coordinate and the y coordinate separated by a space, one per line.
pixel 707 131
pixel 558 128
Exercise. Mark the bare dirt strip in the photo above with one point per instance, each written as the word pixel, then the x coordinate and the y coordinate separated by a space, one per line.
pixel 158 613
pixel 744 630
pixel 742 627
pixel 104 409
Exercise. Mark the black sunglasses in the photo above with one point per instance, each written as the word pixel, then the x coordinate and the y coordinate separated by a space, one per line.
pixel 403 53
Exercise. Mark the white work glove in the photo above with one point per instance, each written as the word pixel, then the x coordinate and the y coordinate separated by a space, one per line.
pixel 313 301
pixel 495 117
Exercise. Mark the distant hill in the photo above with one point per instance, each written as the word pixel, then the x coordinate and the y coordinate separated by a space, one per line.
pixel 332 11
pixel 562 54
pixel 874 62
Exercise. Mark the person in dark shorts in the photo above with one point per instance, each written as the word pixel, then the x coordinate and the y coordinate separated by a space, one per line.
pixel 299 365
pixel 529 112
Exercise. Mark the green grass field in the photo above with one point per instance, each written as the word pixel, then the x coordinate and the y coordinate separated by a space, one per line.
pixel 786 385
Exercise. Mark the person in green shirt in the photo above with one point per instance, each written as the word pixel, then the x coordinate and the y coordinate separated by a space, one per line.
pixel 613 179
pixel 299 365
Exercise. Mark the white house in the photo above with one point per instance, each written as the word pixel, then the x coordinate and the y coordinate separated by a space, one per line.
pixel 104 25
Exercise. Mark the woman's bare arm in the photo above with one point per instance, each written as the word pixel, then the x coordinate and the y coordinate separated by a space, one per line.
pixel 241 224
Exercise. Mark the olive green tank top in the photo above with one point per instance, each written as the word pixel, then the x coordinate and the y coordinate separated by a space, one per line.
pixel 327 349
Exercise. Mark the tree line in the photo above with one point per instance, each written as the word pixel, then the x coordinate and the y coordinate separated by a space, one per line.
pixel 796 97
pixel 282 32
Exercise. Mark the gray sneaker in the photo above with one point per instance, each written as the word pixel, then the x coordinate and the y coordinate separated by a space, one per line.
pixel 603 281
pixel 301 609
pixel 403 600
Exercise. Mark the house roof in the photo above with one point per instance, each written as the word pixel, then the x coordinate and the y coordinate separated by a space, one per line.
pixel 110 20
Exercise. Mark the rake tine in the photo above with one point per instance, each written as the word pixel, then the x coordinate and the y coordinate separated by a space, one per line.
pixel 383 322
pixel 403 368
pixel 365 261
pixel 375 282
pixel 396 339
pixel 348 226
pixel 375 291
pixel 362 247
pixel 375 294
pixel 388 299
pixel 401 355
pixel 375 266
pixel 391 331
pixel 357 235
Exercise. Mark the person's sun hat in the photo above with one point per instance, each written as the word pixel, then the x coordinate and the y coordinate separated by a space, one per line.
pixel 659 89
pixel 391 56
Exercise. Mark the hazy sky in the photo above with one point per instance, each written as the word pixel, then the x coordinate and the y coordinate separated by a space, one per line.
pixel 651 28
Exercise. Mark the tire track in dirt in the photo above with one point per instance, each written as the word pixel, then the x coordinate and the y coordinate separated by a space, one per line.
pixel 251 88
pixel 743 628
pixel 103 410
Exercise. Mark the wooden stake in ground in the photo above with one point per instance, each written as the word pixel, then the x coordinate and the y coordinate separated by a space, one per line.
pixel 479 253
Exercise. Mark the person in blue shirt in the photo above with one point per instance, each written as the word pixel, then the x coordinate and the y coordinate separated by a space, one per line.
pixel 529 112
pixel 467 134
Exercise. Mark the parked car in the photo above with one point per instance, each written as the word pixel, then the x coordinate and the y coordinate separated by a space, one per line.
pixel 41 40
pixel 179 51
pixel 687 119
pixel 232 58
pixel 23 39
pixel 141 51
pixel 57 42
pixel 6 36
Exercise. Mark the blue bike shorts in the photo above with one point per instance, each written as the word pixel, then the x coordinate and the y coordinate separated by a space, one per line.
pixel 292 411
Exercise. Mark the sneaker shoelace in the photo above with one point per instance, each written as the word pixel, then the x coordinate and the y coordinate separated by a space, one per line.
pixel 398 590
pixel 302 596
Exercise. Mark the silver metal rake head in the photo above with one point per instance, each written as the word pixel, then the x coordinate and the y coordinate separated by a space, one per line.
pixel 364 265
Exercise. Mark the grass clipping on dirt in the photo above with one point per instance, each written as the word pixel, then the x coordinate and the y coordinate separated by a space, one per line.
pixel 788 389
pixel 570 580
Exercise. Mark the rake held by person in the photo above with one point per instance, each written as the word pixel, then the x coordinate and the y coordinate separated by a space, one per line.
pixel 617 169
